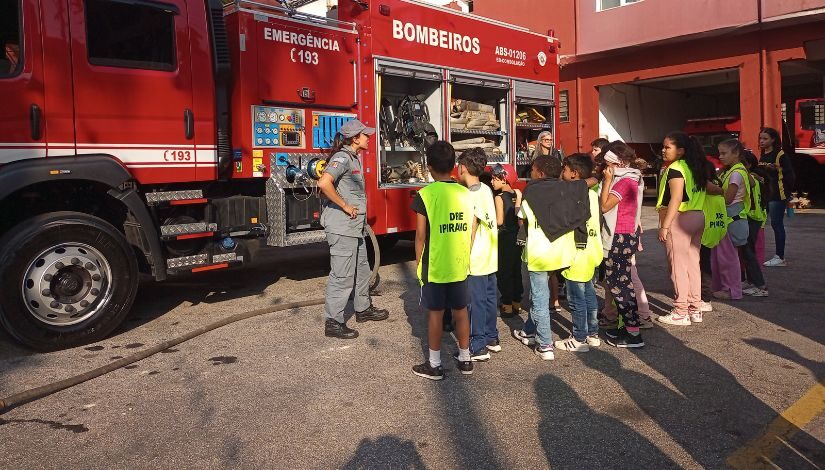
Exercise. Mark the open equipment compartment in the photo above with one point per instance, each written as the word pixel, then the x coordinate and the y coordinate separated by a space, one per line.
pixel 479 115
pixel 410 113
pixel 535 108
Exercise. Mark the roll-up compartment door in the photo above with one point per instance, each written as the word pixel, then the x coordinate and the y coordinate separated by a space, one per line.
pixel 409 71
pixel 535 92
pixel 475 80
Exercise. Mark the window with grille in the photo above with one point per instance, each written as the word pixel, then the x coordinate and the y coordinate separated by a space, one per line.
pixel 564 107
pixel 813 115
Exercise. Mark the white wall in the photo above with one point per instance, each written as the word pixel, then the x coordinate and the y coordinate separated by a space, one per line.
pixel 635 113
pixel 317 8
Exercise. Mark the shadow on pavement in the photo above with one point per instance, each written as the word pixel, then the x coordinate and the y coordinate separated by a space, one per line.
pixel 456 402
pixel 385 452
pixel 710 414
pixel 781 436
pixel 573 435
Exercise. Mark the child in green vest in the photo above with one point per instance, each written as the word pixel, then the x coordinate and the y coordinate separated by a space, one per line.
pixel 483 257
pixel 726 273
pixel 554 214
pixel 443 238
pixel 581 295
pixel 757 216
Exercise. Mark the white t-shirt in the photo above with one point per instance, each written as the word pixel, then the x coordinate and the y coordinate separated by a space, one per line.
pixel 736 178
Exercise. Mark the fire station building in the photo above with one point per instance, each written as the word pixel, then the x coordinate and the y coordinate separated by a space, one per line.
pixel 637 69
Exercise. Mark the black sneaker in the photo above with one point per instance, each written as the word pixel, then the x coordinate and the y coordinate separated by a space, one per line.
pixel 333 329
pixel 612 333
pixel 481 356
pixel 465 367
pixel 372 314
pixel 626 340
pixel 429 372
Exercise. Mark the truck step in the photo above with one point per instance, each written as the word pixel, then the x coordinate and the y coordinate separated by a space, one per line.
pixel 176 198
pixel 199 263
pixel 187 231
pixel 187 261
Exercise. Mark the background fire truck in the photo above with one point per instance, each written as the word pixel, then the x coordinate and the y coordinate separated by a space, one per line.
pixel 175 136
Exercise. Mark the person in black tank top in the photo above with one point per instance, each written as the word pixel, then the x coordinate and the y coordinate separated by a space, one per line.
pixel 507 202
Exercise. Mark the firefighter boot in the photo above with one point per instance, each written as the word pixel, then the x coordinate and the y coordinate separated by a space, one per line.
pixel 333 329
pixel 371 314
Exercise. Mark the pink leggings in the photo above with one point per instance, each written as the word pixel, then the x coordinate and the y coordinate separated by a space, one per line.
pixel 760 246
pixel 683 243
pixel 725 268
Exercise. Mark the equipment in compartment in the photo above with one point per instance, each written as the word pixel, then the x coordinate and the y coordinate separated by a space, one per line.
pixel 470 115
pixel 407 124
pixel 529 115
pixel 324 127
pixel 409 111
pixel 490 147
pixel 412 171
pixel 277 127
pixel 474 123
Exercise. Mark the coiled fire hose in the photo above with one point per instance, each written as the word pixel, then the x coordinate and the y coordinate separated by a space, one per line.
pixel 28 396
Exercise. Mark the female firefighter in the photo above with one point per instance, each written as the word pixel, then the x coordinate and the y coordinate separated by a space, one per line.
pixel 344 220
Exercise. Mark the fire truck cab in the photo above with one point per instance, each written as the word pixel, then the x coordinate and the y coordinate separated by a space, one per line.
pixel 175 136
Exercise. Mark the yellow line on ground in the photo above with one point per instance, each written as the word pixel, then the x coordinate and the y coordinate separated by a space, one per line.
pixel 760 452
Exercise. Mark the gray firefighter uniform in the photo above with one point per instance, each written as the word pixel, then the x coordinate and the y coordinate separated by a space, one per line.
pixel 347 247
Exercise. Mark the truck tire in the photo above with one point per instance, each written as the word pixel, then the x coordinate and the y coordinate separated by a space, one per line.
pixel 66 279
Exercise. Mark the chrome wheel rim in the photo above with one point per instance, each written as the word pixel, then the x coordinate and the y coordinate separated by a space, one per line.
pixel 67 284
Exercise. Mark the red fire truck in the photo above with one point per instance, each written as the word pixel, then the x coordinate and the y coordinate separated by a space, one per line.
pixel 809 128
pixel 174 136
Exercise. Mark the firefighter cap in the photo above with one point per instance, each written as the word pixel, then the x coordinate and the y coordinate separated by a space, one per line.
pixel 354 127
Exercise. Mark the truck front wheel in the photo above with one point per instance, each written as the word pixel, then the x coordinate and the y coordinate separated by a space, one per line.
pixel 66 279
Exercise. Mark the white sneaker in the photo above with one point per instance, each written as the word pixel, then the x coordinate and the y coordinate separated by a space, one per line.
pixel 572 345
pixel 545 353
pixel 527 340
pixel 675 319
pixel 695 316
pixel 594 341
pixel 756 292
pixel 775 261
pixel 747 285
pixel 704 307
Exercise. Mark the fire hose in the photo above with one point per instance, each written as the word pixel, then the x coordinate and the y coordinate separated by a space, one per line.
pixel 28 396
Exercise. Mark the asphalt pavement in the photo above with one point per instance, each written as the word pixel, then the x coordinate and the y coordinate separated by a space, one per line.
pixel 742 389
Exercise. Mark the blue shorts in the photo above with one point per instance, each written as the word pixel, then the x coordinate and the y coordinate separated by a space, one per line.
pixel 452 295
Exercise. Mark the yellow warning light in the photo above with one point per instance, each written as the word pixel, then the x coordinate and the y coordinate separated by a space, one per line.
pixel 54 172
pixel 253 220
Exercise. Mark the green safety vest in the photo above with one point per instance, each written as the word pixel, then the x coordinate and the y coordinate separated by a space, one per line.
pixel 696 197
pixel 716 220
pixel 757 212
pixel 541 254
pixel 746 202
pixel 449 217
pixel 588 259
pixel 484 254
